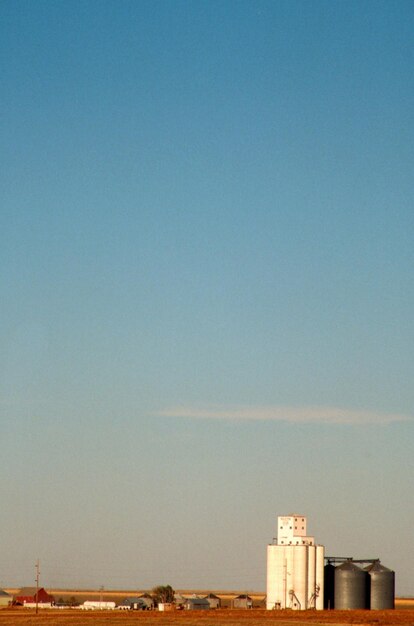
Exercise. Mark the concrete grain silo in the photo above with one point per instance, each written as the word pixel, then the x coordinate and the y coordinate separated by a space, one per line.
pixel 295 567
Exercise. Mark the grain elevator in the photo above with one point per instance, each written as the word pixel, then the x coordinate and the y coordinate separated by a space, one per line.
pixel 295 567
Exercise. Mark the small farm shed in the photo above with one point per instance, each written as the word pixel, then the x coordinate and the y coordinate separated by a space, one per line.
pixel 5 599
pixel 194 604
pixel 30 595
pixel 133 603
pixel 242 602
pixel 147 600
pixel 138 603
pixel 214 601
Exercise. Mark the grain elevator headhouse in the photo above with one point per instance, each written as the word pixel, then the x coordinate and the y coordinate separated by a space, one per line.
pixel 295 567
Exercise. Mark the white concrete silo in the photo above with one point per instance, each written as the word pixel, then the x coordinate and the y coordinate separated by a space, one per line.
pixel 295 567
pixel 320 577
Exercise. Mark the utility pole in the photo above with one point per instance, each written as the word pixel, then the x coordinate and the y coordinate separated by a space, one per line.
pixel 37 568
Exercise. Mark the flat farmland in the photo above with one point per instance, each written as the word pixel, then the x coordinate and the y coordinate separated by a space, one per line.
pixel 222 617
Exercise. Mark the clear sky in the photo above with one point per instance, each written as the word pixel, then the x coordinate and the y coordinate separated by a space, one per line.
pixel 206 253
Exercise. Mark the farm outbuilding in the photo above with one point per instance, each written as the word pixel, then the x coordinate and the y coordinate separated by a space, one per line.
pixel 197 604
pixel 5 599
pixel 214 601
pixel 137 603
pixel 148 601
pixel 31 595
pixel 132 603
pixel 242 602
pixel 97 605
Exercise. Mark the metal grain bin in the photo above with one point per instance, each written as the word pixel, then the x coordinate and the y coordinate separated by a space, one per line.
pixel 351 585
pixel 381 585
pixel 329 587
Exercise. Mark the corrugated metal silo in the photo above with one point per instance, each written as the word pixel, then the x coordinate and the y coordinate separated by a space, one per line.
pixel 381 586
pixel 329 587
pixel 351 584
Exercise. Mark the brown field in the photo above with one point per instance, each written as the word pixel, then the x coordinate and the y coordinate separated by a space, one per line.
pixel 223 617
pixel 403 615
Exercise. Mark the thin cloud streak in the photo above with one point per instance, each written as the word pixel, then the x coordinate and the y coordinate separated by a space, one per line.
pixel 310 415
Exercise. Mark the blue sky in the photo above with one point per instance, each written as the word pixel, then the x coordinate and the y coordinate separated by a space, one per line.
pixel 207 287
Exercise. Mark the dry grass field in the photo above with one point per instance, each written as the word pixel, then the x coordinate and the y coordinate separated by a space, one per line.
pixel 222 617
pixel 403 615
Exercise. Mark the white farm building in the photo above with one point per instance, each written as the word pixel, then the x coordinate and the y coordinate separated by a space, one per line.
pixel 295 567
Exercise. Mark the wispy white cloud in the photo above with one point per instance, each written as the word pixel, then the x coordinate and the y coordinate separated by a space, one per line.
pixel 310 414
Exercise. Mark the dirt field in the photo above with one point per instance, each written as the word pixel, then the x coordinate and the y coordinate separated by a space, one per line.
pixel 223 617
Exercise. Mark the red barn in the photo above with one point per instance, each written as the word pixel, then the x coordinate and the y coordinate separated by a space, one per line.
pixel 27 595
